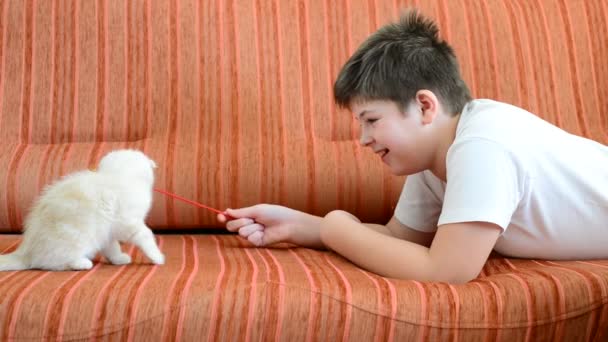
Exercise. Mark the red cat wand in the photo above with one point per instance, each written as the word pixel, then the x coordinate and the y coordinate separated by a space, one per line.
pixel 196 204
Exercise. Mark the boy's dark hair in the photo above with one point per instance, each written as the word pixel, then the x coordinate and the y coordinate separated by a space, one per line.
pixel 398 60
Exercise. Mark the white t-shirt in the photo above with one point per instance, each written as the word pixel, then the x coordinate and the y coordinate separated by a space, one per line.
pixel 546 188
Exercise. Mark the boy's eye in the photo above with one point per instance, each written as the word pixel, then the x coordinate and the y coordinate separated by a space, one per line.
pixel 371 121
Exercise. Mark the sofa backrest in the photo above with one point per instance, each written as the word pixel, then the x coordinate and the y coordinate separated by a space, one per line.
pixel 233 99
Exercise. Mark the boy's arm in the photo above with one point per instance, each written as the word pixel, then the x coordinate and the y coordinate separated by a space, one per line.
pixel 457 253
pixel 399 230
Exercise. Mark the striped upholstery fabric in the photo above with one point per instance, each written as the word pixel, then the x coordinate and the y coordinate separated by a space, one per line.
pixel 233 100
pixel 215 288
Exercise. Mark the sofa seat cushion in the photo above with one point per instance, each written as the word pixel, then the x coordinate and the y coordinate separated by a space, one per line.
pixel 217 286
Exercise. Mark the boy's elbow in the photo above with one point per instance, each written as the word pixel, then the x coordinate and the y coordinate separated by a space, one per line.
pixel 458 280
pixel 453 275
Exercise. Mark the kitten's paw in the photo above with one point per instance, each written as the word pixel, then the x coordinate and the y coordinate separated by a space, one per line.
pixel 81 264
pixel 120 259
pixel 157 258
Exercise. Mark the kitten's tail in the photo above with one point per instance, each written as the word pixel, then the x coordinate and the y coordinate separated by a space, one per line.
pixel 12 262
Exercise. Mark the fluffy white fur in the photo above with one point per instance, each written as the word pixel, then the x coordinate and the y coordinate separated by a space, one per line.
pixel 89 212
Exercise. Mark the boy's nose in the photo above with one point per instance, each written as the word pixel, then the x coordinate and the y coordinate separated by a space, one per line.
pixel 365 139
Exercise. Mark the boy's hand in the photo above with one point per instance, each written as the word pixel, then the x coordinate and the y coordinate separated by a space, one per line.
pixel 267 224
pixel 261 224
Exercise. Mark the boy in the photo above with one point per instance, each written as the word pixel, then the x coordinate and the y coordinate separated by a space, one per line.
pixel 482 175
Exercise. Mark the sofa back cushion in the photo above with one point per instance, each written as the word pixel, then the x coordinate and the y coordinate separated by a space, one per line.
pixel 233 99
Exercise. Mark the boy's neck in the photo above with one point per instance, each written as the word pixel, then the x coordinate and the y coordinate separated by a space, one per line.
pixel 447 132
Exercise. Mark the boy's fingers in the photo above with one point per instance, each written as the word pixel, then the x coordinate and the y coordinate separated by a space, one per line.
pixel 250 229
pixel 237 224
pixel 261 238
pixel 272 237
pixel 257 238
pixel 221 218
pixel 242 212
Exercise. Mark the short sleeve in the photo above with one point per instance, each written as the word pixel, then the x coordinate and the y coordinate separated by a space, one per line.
pixel 419 205
pixel 483 184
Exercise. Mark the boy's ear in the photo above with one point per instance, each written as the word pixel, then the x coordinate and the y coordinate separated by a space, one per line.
pixel 429 105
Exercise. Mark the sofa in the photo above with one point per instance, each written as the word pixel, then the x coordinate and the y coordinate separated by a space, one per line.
pixel 233 100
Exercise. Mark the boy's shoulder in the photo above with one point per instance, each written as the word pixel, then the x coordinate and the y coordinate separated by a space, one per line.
pixel 501 123
pixel 492 113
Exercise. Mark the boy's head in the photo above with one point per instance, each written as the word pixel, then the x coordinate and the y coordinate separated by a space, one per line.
pixel 397 61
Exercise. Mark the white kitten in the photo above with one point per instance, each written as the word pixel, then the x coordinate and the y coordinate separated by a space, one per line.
pixel 89 212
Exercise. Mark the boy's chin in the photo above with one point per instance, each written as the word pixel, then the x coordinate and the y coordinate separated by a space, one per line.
pixel 401 171
pixel 397 171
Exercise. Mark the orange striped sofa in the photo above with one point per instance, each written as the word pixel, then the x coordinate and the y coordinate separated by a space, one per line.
pixel 233 99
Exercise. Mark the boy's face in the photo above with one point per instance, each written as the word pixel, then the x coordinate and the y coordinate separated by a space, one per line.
pixel 400 139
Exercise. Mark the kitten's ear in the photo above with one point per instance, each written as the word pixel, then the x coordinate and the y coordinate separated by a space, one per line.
pixel 153 164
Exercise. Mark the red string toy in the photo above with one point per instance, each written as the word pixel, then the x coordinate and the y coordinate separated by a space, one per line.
pixel 196 204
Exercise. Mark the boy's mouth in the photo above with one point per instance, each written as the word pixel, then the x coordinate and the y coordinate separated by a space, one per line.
pixel 382 153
